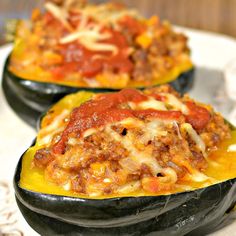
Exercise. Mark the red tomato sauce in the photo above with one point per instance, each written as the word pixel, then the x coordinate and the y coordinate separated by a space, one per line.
pixel 89 63
pixel 134 26
pixel 109 108
pixel 198 116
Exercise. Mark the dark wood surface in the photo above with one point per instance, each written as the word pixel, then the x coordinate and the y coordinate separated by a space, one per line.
pixel 214 15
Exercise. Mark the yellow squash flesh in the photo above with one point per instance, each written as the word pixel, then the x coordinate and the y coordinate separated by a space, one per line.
pixel 24 64
pixel 222 163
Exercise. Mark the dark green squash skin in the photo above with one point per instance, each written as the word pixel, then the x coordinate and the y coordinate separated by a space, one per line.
pixel 30 98
pixel 195 212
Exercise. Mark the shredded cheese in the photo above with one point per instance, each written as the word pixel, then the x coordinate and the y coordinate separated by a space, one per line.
pixel 175 124
pixel 99 46
pixel 89 132
pixel 170 176
pixel 199 177
pixel 72 141
pixel 153 129
pixel 195 137
pixel 232 148
pixel 89 34
pixel 131 123
pixel 149 104
pixel 107 14
pixel 139 156
pixel 67 186
pixel 175 103
pixel 46 134
pixel 86 34
pixel 129 188
pixel 59 14
pixel 107 180
pixel 90 38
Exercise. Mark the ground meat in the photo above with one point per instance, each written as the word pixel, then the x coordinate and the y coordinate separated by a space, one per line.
pixel 78 185
pixel 133 177
pixel 43 157
pixel 144 61
pixel 216 131
pixel 158 48
pixel 198 160
pixel 142 70
pixel 57 174
pixel 114 165
pixel 118 154
pixel 163 89
pixel 145 171
pixel 159 57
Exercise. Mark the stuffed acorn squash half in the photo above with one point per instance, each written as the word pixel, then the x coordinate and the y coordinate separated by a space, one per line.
pixel 128 163
pixel 74 46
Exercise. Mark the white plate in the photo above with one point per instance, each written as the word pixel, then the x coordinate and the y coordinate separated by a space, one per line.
pixel 210 51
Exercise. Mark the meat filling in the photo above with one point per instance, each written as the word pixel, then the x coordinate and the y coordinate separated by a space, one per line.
pixel 153 146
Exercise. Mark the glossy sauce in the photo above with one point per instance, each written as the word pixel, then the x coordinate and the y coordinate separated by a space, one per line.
pixel 106 109
pixel 89 63
pixel 132 25
pixel 109 108
pixel 221 163
pixel 100 111
pixel 198 116
pixel 77 58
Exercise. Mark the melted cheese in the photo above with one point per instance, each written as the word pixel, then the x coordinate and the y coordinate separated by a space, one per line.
pixel 175 124
pixel 176 103
pixel 149 104
pixel 86 34
pixel 232 148
pixel 67 186
pixel 199 177
pixel 130 187
pixel 58 13
pixel 138 151
pixel 139 156
pixel 46 134
pixel 89 132
pixel 108 14
pixel 195 137
pixel 129 123
pixel 153 129
pixel 72 141
pixel 89 34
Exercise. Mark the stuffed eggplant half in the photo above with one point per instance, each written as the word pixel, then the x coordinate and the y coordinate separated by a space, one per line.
pixel 128 163
pixel 71 46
